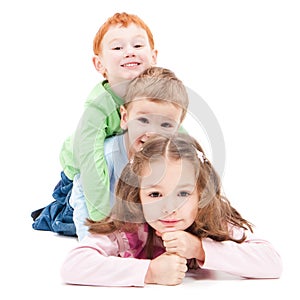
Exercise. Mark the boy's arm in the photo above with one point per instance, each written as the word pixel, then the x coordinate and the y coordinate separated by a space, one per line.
pixel 100 119
pixel 66 158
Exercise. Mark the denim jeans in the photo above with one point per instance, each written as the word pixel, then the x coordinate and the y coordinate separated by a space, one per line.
pixel 58 215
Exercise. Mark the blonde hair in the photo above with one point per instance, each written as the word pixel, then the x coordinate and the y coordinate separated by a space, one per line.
pixel 158 84
pixel 215 212
pixel 123 19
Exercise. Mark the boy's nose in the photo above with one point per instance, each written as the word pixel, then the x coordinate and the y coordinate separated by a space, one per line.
pixel 128 51
pixel 147 135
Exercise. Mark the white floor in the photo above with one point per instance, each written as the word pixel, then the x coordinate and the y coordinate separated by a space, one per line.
pixel 31 269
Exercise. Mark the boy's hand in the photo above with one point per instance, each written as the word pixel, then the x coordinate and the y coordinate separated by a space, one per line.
pixel 166 269
pixel 183 244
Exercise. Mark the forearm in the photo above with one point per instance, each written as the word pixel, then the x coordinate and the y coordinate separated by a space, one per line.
pixel 89 156
pixel 254 258
pixel 86 266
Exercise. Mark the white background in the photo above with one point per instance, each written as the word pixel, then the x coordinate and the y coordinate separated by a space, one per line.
pixel 241 57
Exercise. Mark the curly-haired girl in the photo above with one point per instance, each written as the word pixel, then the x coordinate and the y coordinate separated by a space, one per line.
pixel 169 217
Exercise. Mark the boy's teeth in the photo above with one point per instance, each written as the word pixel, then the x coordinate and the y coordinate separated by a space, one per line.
pixel 130 65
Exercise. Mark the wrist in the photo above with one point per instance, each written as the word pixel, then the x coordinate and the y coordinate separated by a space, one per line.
pixel 149 274
pixel 200 253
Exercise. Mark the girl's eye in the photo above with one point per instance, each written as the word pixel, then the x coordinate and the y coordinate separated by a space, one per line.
pixel 183 194
pixel 117 48
pixel 155 194
pixel 143 120
pixel 138 46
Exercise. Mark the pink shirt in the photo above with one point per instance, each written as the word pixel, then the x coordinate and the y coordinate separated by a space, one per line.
pixel 118 259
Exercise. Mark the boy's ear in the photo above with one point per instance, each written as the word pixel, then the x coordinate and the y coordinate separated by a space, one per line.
pixel 124 117
pixel 154 57
pixel 98 65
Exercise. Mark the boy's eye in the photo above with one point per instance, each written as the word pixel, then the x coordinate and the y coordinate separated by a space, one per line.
pixel 143 120
pixel 155 194
pixel 166 125
pixel 117 48
pixel 138 46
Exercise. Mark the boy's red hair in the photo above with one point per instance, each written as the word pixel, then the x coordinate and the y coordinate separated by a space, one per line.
pixel 124 20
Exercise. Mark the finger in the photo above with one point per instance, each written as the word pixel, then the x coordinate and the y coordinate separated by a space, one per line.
pixel 158 233
pixel 171 250
pixel 182 260
pixel 170 244
pixel 169 235
pixel 183 268
pixel 181 274
pixel 177 281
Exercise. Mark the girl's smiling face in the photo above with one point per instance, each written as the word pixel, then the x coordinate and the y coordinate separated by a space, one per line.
pixel 168 194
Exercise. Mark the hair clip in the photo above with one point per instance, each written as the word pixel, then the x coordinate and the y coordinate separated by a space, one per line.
pixel 201 156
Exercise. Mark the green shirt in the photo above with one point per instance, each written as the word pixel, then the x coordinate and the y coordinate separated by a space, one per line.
pixel 83 151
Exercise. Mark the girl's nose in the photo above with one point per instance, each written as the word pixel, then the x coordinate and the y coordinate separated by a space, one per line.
pixel 169 206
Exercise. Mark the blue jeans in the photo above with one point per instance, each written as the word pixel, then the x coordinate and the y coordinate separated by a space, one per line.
pixel 58 215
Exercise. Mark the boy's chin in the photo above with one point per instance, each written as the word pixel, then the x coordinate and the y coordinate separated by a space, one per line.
pixel 133 73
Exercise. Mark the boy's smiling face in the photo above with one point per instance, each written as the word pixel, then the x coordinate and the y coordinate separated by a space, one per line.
pixel 143 118
pixel 126 53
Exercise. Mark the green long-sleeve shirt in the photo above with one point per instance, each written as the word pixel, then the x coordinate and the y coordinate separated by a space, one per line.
pixel 83 151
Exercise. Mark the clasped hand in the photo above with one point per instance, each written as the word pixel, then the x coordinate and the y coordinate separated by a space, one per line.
pixel 170 267
pixel 183 244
